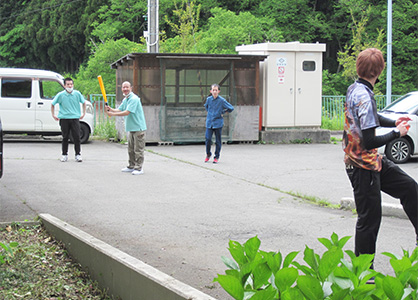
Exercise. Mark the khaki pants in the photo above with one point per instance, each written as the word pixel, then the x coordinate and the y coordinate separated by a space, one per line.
pixel 136 147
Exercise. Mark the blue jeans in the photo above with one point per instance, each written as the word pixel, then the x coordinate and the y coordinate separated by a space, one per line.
pixel 218 142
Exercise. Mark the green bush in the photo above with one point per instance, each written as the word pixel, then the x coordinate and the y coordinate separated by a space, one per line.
pixel 106 129
pixel 6 251
pixel 332 123
pixel 258 275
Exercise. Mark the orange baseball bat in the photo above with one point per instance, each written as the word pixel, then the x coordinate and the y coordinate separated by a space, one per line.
pixel 102 88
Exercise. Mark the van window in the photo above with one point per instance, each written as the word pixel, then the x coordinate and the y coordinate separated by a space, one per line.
pixel 49 88
pixel 16 88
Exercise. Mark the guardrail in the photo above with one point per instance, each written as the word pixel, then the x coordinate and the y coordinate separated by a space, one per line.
pixel 99 104
pixel 333 108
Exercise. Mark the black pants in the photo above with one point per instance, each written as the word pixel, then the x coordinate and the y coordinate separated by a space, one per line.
pixel 70 126
pixel 366 187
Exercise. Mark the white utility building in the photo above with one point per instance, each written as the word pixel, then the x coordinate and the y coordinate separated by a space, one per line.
pixel 291 83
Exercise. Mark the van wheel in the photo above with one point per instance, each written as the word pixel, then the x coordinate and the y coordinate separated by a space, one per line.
pixel 398 150
pixel 84 134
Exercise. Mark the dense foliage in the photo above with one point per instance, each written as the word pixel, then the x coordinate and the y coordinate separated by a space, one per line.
pixel 259 275
pixel 67 35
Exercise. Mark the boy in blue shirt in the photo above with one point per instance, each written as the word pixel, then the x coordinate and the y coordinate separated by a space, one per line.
pixel 216 106
pixel 135 126
pixel 69 117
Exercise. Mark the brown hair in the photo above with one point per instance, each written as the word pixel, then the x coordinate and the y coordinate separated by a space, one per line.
pixel 370 63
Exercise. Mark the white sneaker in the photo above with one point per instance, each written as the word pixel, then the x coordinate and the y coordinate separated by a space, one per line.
pixel 137 172
pixel 64 158
pixel 78 158
pixel 127 170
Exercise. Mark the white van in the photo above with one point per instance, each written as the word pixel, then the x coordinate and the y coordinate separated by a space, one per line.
pixel 25 103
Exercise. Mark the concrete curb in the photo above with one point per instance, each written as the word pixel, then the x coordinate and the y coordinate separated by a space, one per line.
pixel 388 210
pixel 119 273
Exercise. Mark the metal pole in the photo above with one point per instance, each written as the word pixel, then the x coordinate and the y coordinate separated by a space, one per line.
pixel 152 34
pixel 389 56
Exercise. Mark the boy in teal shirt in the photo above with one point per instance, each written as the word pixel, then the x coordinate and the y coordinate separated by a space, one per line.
pixel 135 126
pixel 69 117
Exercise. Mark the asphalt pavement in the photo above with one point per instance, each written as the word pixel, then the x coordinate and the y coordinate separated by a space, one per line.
pixel 180 214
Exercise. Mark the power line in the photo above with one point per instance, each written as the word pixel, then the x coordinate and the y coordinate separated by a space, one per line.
pixel 38 10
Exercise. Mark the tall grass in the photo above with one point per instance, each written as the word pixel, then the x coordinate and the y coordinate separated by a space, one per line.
pixel 332 123
pixel 106 129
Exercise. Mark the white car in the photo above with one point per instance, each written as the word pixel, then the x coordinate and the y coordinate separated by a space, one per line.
pixel 25 103
pixel 401 149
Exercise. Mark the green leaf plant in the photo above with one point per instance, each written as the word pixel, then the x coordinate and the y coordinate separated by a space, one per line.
pixel 337 275
pixel 6 251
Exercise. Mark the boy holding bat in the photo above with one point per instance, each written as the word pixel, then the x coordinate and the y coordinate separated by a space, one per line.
pixel 135 126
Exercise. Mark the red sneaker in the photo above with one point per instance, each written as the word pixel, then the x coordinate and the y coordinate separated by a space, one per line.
pixel 215 160
pixel 207 158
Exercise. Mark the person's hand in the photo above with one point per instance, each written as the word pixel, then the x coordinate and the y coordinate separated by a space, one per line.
pixel 403 127
pixel 55 118
pixel 402 119
pixel 108 112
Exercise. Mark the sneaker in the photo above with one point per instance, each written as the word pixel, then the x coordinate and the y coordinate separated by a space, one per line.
pixel 78 158
pixel 137 172
pixel 207 158
pixel 215 160
pixel 64 158
pixel 127 170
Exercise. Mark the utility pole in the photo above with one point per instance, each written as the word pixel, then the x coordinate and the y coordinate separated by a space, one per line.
pixel 389 56
pixel 152 35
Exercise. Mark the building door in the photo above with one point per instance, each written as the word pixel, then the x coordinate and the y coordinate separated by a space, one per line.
pixel 279 108
pixel 308 87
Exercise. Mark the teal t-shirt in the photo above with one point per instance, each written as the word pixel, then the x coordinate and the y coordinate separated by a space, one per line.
pixel 135 121
pixel 69 104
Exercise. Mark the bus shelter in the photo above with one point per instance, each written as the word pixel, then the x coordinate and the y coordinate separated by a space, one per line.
pixel 173 89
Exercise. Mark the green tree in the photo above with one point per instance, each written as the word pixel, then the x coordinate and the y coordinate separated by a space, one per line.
pixel 361 41
pixel 55 35
pixel 120 19
pixel 186 26
pixel 11 43
pixel 99 64
pixel 405 47
pixel 334 84
pixel 226 30
pixel 295 19
pixel 11 47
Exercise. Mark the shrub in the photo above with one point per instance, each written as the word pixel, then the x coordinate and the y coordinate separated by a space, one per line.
pixel 106 129
pixel 255 274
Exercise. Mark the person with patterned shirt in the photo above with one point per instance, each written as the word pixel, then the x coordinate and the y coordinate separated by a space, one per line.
pixel 369 172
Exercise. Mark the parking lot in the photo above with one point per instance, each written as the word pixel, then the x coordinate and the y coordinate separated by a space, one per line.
pixel 180 215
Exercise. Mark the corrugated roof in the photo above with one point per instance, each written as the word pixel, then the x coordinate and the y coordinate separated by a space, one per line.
pixel 132 56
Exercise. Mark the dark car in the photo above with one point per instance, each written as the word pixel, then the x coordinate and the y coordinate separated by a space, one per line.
pixel 1 150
